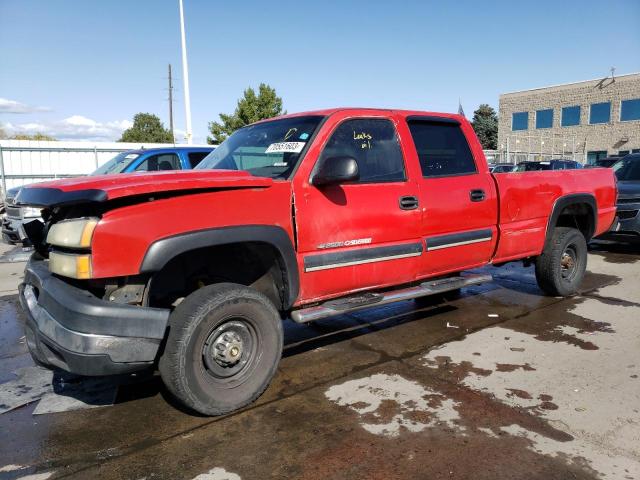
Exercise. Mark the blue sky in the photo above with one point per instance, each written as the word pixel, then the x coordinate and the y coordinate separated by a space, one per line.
pixel 80 69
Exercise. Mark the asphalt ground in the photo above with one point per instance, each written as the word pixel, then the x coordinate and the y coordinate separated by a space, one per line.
pixel 500 383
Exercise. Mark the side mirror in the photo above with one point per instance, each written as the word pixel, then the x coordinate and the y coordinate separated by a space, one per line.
pixel 335 170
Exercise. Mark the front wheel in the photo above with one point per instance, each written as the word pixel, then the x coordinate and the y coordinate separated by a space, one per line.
pixel 223 348
pixel 561 266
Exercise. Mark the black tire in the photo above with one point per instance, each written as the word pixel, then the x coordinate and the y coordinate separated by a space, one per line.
pixel 561 266
pixel 205 327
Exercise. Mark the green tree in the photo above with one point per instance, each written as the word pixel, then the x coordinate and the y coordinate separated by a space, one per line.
pixel 485 124
pixel 36 136
pixel 147 128
pixel 250 109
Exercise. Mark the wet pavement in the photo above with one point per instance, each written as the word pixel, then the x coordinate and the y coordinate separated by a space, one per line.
pixel 499 383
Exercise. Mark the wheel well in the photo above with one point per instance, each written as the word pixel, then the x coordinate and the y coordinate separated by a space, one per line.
pixel 580 216
pixel 254 264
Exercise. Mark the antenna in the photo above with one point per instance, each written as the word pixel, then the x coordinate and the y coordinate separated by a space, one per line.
pixel 173 137
pixel 613 73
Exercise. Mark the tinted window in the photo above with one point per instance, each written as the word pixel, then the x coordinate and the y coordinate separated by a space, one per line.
pixel 544 118
pixel 196 157
pixel 442 149
pixel 373 144
pixel 520 121
pixel 630 110
pixel 163 161
pixel 570 116
pixel 600 113
pixel 628 169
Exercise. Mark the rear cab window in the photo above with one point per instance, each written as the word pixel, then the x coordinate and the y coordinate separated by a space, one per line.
pixel 442 148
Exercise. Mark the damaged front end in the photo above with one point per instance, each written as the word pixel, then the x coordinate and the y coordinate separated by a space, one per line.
pixel 81 324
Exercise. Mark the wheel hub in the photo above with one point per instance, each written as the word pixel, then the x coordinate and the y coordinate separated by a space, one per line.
pixel 227 349
pixel 568 263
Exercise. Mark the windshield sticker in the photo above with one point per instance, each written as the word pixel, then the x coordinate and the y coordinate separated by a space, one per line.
pixel 304 136
pixel 280 164
pixel 285 147
pixel 131 156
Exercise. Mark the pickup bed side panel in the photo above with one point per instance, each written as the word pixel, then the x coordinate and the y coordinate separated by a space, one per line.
pixel 528 198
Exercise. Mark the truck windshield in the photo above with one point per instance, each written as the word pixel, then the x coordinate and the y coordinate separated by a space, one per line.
pixel 628 170
pixel 117 164
pixel 268 149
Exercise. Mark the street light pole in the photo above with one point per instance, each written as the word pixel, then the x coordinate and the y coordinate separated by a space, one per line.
pixel 185 77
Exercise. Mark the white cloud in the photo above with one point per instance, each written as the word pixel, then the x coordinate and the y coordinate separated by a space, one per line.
pixel 12 106
pixel 75 127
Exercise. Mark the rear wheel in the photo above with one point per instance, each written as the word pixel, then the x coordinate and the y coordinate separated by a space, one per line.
pixel 561 266
pixel 223 348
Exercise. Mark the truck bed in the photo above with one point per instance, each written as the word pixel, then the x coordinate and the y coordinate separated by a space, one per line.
pixel 527 198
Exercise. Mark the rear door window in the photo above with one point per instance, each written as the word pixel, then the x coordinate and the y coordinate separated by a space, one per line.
pixel 442 148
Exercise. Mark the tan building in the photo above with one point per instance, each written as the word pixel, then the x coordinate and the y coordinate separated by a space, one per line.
pixel 582 121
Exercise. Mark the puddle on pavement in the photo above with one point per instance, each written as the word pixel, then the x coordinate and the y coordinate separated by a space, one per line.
pixel 566 367
pixel 388 404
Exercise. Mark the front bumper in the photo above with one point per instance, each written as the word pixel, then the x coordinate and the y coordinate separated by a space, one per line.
pixel 13 229
pixel 71 329
pixel 627 224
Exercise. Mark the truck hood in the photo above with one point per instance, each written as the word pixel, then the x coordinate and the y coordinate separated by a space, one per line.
pixel 103 188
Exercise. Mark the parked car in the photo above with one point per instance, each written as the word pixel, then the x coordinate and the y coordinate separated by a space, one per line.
pixel 154 159
pixel 603 162
pixel 627 227
pixel 502 167
pixel 303 216
pixel 144 160
pixel 556 164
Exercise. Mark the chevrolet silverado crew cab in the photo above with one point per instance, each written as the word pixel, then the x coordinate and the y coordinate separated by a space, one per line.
pixel 303 216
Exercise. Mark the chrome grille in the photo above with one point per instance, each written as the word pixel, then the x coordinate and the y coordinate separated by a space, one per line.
pixel 629 200
pixel 627 214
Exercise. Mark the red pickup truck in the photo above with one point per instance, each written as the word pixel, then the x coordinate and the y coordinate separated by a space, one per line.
pixel 302 216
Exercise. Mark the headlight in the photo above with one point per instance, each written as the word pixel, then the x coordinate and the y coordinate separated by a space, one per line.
pixel 70 265
pixel 29 212
pixel 74 233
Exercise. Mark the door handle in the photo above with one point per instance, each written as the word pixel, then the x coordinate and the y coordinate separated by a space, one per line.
pixel 408 203
pixel 477 195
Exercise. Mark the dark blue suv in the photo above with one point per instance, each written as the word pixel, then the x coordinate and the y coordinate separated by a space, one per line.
pixel 627 171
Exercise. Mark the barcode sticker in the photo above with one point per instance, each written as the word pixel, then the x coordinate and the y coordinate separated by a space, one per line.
pixel 285 147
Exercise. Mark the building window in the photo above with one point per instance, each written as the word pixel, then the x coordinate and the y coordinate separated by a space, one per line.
pixel 520 121
pixel 600 113
pixel 570 116
pixel 544 118
pixel 630 110
pixel 595 155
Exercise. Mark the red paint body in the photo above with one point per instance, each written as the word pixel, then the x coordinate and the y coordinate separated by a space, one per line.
pixel 516 210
